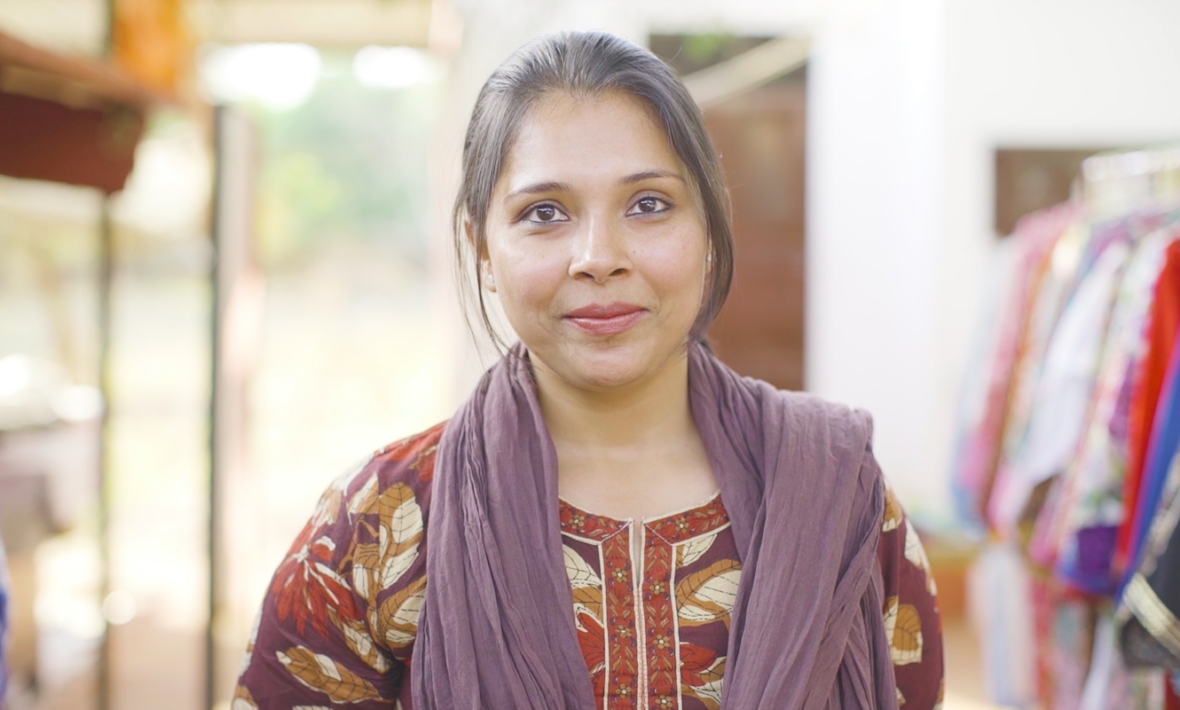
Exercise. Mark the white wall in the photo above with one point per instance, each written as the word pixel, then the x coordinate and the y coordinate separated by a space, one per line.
pixel 875 129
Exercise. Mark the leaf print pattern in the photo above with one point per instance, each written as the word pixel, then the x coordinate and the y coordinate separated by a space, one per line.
pixel 588 600
pixel 578 572
pixel 702 673
pixel 903 628
pixel 395 567
pixel 321 673
pixel 361 643
pixel 693 550
pixel 709 694
pixel 399 615
pixel 709 595
pixel 592 641
pixel 249 654
pixel 306 588
pixel 915 553
pixel 366 561
pixel 892 511
pixel 365 500
pixel 243 700
pixel 401 530
pixel 329 504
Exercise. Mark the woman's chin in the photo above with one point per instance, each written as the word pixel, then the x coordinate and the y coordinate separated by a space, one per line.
pixel 606 367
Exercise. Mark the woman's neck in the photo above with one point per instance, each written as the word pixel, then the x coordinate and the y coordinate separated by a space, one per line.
pixel 629 453
pixel 625 420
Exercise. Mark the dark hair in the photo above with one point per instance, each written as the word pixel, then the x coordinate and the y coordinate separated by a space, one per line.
pixel 587 64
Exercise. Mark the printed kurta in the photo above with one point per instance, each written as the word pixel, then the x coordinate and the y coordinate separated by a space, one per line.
pixel 339 622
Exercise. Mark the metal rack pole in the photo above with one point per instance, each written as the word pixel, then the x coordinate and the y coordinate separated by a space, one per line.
pixel 215 368
pixel 106 261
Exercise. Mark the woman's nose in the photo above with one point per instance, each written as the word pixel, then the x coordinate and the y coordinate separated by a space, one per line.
pixel 600 251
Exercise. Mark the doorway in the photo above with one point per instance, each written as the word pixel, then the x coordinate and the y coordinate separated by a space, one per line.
pixel 761 136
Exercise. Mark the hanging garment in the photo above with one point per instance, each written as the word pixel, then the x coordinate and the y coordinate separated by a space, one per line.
pixel 1161 449
pixel 1150 600
pixel 985 341
pixel 1149 629
pixel 1070 656
pixel 1035 236
pixel 1057 286
pixel 1000 589
pixel 1163 326
pixel 1063 390
pixel 1091 522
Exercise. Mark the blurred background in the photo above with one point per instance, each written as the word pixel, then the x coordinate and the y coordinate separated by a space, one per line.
pixel 225 274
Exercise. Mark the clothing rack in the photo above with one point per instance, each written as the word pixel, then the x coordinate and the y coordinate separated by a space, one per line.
pixel 1112 181
pixel 1067 449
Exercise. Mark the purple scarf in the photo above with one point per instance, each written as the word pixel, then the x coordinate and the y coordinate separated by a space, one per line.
pixel 803 493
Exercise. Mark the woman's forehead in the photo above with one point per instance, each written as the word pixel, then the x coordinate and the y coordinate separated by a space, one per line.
pixel 566 138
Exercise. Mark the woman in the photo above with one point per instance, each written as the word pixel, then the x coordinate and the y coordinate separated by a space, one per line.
pixel 614 519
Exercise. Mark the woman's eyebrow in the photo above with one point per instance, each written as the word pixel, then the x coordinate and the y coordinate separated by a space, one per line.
pixel 554 186
pixel 535 188
pixel 649 174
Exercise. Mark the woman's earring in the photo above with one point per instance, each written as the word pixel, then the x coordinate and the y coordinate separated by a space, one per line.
pixel 489 281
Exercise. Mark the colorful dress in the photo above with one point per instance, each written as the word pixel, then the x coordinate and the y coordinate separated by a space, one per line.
pixel 340 619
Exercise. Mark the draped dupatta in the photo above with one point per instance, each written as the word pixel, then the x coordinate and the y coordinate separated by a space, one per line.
pixel 803 493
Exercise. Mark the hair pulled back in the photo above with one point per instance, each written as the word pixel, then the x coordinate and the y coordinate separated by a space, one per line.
pixel 587 65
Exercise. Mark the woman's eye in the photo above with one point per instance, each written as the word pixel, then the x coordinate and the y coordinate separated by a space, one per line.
pixel 544 213
pixel 650 205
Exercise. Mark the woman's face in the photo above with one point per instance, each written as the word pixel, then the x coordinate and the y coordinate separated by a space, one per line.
pixel 596 242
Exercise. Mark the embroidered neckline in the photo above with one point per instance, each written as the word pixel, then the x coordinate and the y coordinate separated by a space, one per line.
pixel 675 527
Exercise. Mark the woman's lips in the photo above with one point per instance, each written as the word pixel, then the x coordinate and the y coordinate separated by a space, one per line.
pixel 610 319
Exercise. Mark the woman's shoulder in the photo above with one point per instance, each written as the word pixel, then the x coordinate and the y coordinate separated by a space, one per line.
pixel 406 465
pixel 409 461
pixel 378 508
pixel 373 524
pixel 828 411
pixel 846 431
pixel 344 601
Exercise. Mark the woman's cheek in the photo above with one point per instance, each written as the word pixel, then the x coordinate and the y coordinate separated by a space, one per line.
pixel 674 270
pixel 527 283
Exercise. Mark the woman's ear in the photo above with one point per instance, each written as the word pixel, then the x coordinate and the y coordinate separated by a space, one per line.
pixel 469 232
pixel 486 279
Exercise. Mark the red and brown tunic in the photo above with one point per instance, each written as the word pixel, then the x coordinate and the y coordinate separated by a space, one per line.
pixel 340 619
